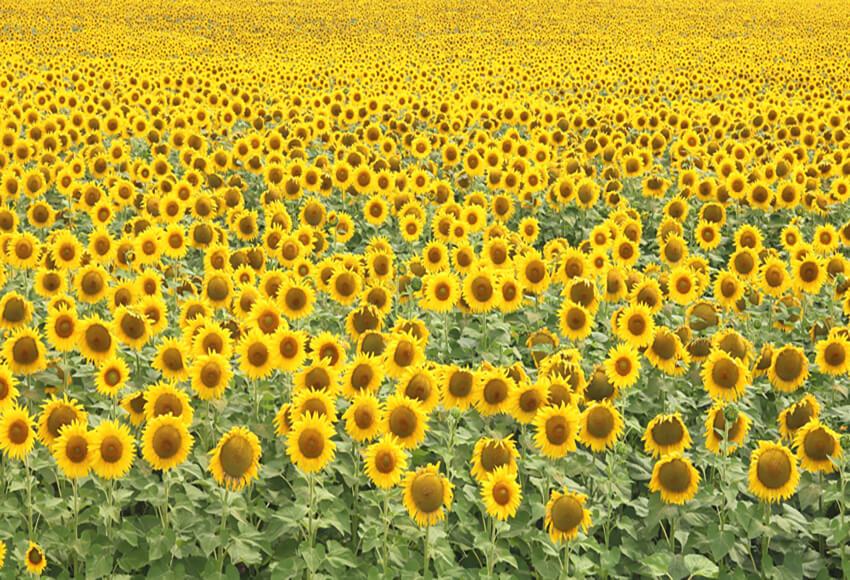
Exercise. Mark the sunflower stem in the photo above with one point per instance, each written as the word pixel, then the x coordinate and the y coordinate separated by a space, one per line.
pixel 821 545
pixel 311 532
pixel 568 548
pixel 426 570
pixel 29 496
pixel 386 513
pixel 355 452
pixel 256 384
pixel 483 332
pixel 167 480
pixel 765 539
pixel 491 554
pixel 672 538
pixel 75 487
pixel 446 335
pixel 221 529
pixel 110 499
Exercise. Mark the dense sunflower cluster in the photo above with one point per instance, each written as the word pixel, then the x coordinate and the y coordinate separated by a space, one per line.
pixel 367 227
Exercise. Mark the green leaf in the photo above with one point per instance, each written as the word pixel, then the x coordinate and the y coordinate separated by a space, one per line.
pixel 312 556
pixel 699 565
pixel 245 551
pixel 721 544
pixel 99 565
pixel 658 563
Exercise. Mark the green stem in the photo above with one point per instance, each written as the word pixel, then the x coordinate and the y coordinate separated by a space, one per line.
pixel 29 496
pixel 446 336
pixel 673 523
pixel 257 400
pixel 821 544
pixel 568 557
pixel 491 555
pixel 167 480
pixel 75 484
pixel 483 332
pixel 355 450
pixel 110 499
pixel 312 497
pixel 426 570
pixel 221 529
pixel 765 539
pixel 386 513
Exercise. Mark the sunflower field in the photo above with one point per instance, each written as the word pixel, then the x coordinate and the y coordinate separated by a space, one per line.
pixel 441 289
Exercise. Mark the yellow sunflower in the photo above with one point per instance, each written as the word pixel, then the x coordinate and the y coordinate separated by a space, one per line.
pixel 717 426
pixel 426 492
pixel 166 442
pixel 635 325
pixel 833 355
pixel 601 425
pixel 724 377
pixel 405 419
pixel 24 351
pixel 210 375
pixel 575 322
pixel 402 352
pixel 797 415
pixel 501 493
pixel 490 454
pixel 556 430
pixel 8 388
pixel 385 462
pixel 164 398
pixel 113 449
pixel 666 434
pixel 73 450
pixel 789 368
pixel 493 388
pixel 257 357
pixel 95 341
pixel 816 444
pixel 622 366
pixel 58 413
pixel 17 433
pixel 35 559
pixel 458 387
pixel 773 474
pixel 235 460
pixel 309 443
pixel 362 375
pixel 676 478
pixel 565 514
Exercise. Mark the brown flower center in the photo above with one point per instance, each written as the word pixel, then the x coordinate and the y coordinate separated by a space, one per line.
pixel 774 469
pixel 236 456
pixel 427 492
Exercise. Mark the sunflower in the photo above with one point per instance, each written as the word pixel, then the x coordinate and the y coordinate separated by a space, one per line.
pixel 8 388
pixel 816 444
pixel 61 325
pixel 556 430
pixel 501 493
pixel 527 400
pixel 622 366
pixel 724 377
pixel 774 278
pixel 797 415
pixel 131 327
pixel 385 462
pixel 95 341
pixel 296 299
pixel 66 250
pixel 363 419
pixel 134 404
pixel 55 415
pixel 682 285
pixel 73 450
pixel 402 352
pixel 480 291
pixel 362 375
pixel 493 388
pixel 2 553
pixel 166 442
pixel 17 433
pixel 809 274
pixel 405 419
pixel 210 375
pixel 457 386
pixel 309 443
pixel 290 346
pixel 565 514
pixel 35 559
pixel 789 368
pixel 676 478
pixel 24 351
pixel 666 434
pixel 773 474
pixel 441 292
pixel 575 322
pixel 833 355
pixel 257 357
pixel 426 492
pixel 111 377
pixel 283 420
pixel 49 283
pixel 635 325
pixel 236 459
pixel 491 454
pixel 113 449
pixel 15 311
pixel 344 285
pixel 716 427
pixel 666 351
pixel 164 398
pixel 316 401
pixel 601 425
pixel 90 283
